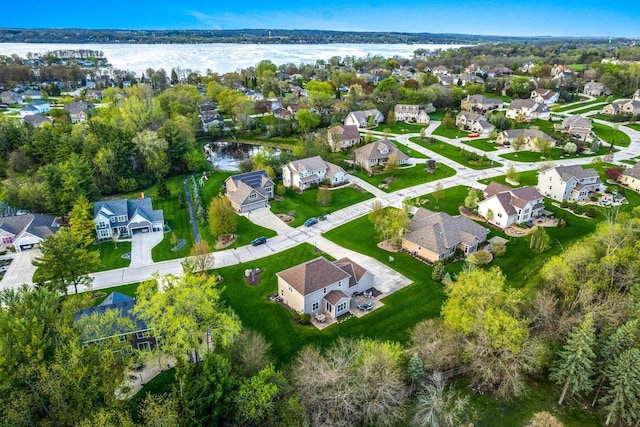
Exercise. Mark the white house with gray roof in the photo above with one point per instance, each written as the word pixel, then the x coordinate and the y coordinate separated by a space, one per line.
pixel 249 191
pixel 569 183
pixel 125 217
pixel 378 153
pixel 506 137
pixel 362 120
pixel 504 206
pixel 343 137
pixel 528 110
pixel 412 113
pixel 578 127
pixel 304 173
pixel 434 236
pixel 24 232
pixel 320 285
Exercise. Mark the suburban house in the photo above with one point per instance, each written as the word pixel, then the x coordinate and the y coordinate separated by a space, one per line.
pixel 11 97
pixel 378 153
pixel 41 106
pixel 596 89
pixel 435 236
pixel 78 111
pixel 528 110
pixel 445 79
pixel 473 122
pixel 440 70
pixel 210 119
pixel 504 206
pixel 636 95
pixel 36 120
pixel 95 95
pixel 281 113
pixel 25 231
pixel 134 334
pixel 125 217
pixel 32 94
pixel 623 106
pixel 569 183
pixel 361 118
pixel 320 285
pixel 559 69
pixel 467 78
pixel 578 127
pixel 506 137
pixel 304 173
pixel 631 177
pixel 545 96
pixel 411 113
pixel 343 137
pixel 480 103
pixel 249 191
pixel 28 110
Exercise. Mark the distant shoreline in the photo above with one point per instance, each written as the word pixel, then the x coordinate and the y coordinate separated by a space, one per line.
pixel 256 36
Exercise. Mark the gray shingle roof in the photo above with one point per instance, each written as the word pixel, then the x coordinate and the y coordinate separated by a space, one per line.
pixel 40 225
pixel 313 275
pixel 633 172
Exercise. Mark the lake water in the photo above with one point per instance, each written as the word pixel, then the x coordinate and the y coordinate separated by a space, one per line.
pixel 221 57
pixel 227 156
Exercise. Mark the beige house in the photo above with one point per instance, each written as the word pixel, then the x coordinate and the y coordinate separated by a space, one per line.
pixel 378 153
pixel 320 285
pixel 343 137
pixel 545 96
pixel 506 137
pixel 434 236
pixel 473 122
pixel 596 89
pixel 631 177
pixel 577 127
pixel 411 114
pixel 304 173
pixel 480 103
pixel 249 191
pixel 363 119
pixel 623 106
pixel 527 110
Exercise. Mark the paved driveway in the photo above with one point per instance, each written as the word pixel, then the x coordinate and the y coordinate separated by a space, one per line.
pixel 20 270
pixel 141 245
pixel 267 219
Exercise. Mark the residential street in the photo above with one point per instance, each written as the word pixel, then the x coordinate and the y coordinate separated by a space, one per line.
pixel 289 237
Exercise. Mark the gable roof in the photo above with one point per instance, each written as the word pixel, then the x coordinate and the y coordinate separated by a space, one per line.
pixel 115 301
pixel 633 172
pixel 313 275
pixel 310 163
pixel 439 231
pixel 363 115
pixel 347 132
pixel 356 271
pixel 39 225
pixel 568 172
pixel 128 207
pixel 373 150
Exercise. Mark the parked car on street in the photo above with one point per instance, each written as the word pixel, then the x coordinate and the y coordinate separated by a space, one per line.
pixel 311 221
pixel 259 241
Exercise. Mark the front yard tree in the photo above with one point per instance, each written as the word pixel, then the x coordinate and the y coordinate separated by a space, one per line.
pixel 438 192
pixel 539 239
pixel 200 260
pixel 471 201
pixel 183 311
pixel 392 165
pixel 570 147
pixel 512 174
pixel 81 220
pixel 543 145
pixel 518 144
pixel 222 218
pixel 391 224
pixel 65 262
pixel 576 361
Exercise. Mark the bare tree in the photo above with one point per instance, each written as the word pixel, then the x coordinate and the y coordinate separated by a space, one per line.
pixel 438 405
pixel 250 352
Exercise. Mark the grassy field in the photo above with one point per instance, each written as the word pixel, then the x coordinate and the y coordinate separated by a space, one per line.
pixel 399 128
pixel 409 152
pixel 437 115
pixel 560 108
pixel 306 204
pixel 407 176
pixel 493 95
pixel 526 178
pixel 609 134
pixel 634 126
pixel 391 322
pixel 480 144
pixel 449 132
pixel 110 257
pixel 177 218
pixel 452 152
pixel 554 154
pixel 589 108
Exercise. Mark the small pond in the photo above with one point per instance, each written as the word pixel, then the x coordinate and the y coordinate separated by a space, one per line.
pixel 227 156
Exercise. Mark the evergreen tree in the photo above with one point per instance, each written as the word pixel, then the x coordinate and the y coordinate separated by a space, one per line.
pixel 623 397
pixel 575 366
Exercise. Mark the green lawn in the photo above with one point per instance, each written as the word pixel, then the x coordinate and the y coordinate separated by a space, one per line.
pixel 399 128
pixel 554 154
pixel 561 108
pixel 493 95
pixel 306 204
pixel 391 322
pixel 450 200
pixel 480 144
pixel 609 134
pixel 437 115
pixel 452 152
pixel 110 257
pixel 129 290
pixel 629 162
pixel 409 152
pixel 590 108
pixel 176 217
pixel 449 132
pixel 407 176
pixel 526 178
pixel 634 126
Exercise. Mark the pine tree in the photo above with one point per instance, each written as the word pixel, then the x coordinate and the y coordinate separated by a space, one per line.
pixel 623 396
pixel 575 366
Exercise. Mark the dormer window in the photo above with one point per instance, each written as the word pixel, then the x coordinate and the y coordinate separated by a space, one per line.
pixel 252 196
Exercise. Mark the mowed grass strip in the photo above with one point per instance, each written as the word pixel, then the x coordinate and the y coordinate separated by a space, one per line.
pixel 406 176
pixel 452 152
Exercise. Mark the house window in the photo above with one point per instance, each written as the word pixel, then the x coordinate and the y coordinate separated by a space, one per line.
pixel 341 307
pixel 282 292
pixel 290 289
pixel 324 291
pixel 252 196
pixel 142 334
pixel 144 346
pixel 329 307
pixel 500 215
pixel 122 338
pixel 315 306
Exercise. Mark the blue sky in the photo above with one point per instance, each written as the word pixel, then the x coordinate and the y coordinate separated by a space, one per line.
pixel 497 17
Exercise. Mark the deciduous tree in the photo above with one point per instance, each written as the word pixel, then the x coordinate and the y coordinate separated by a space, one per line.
pixel 222 218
